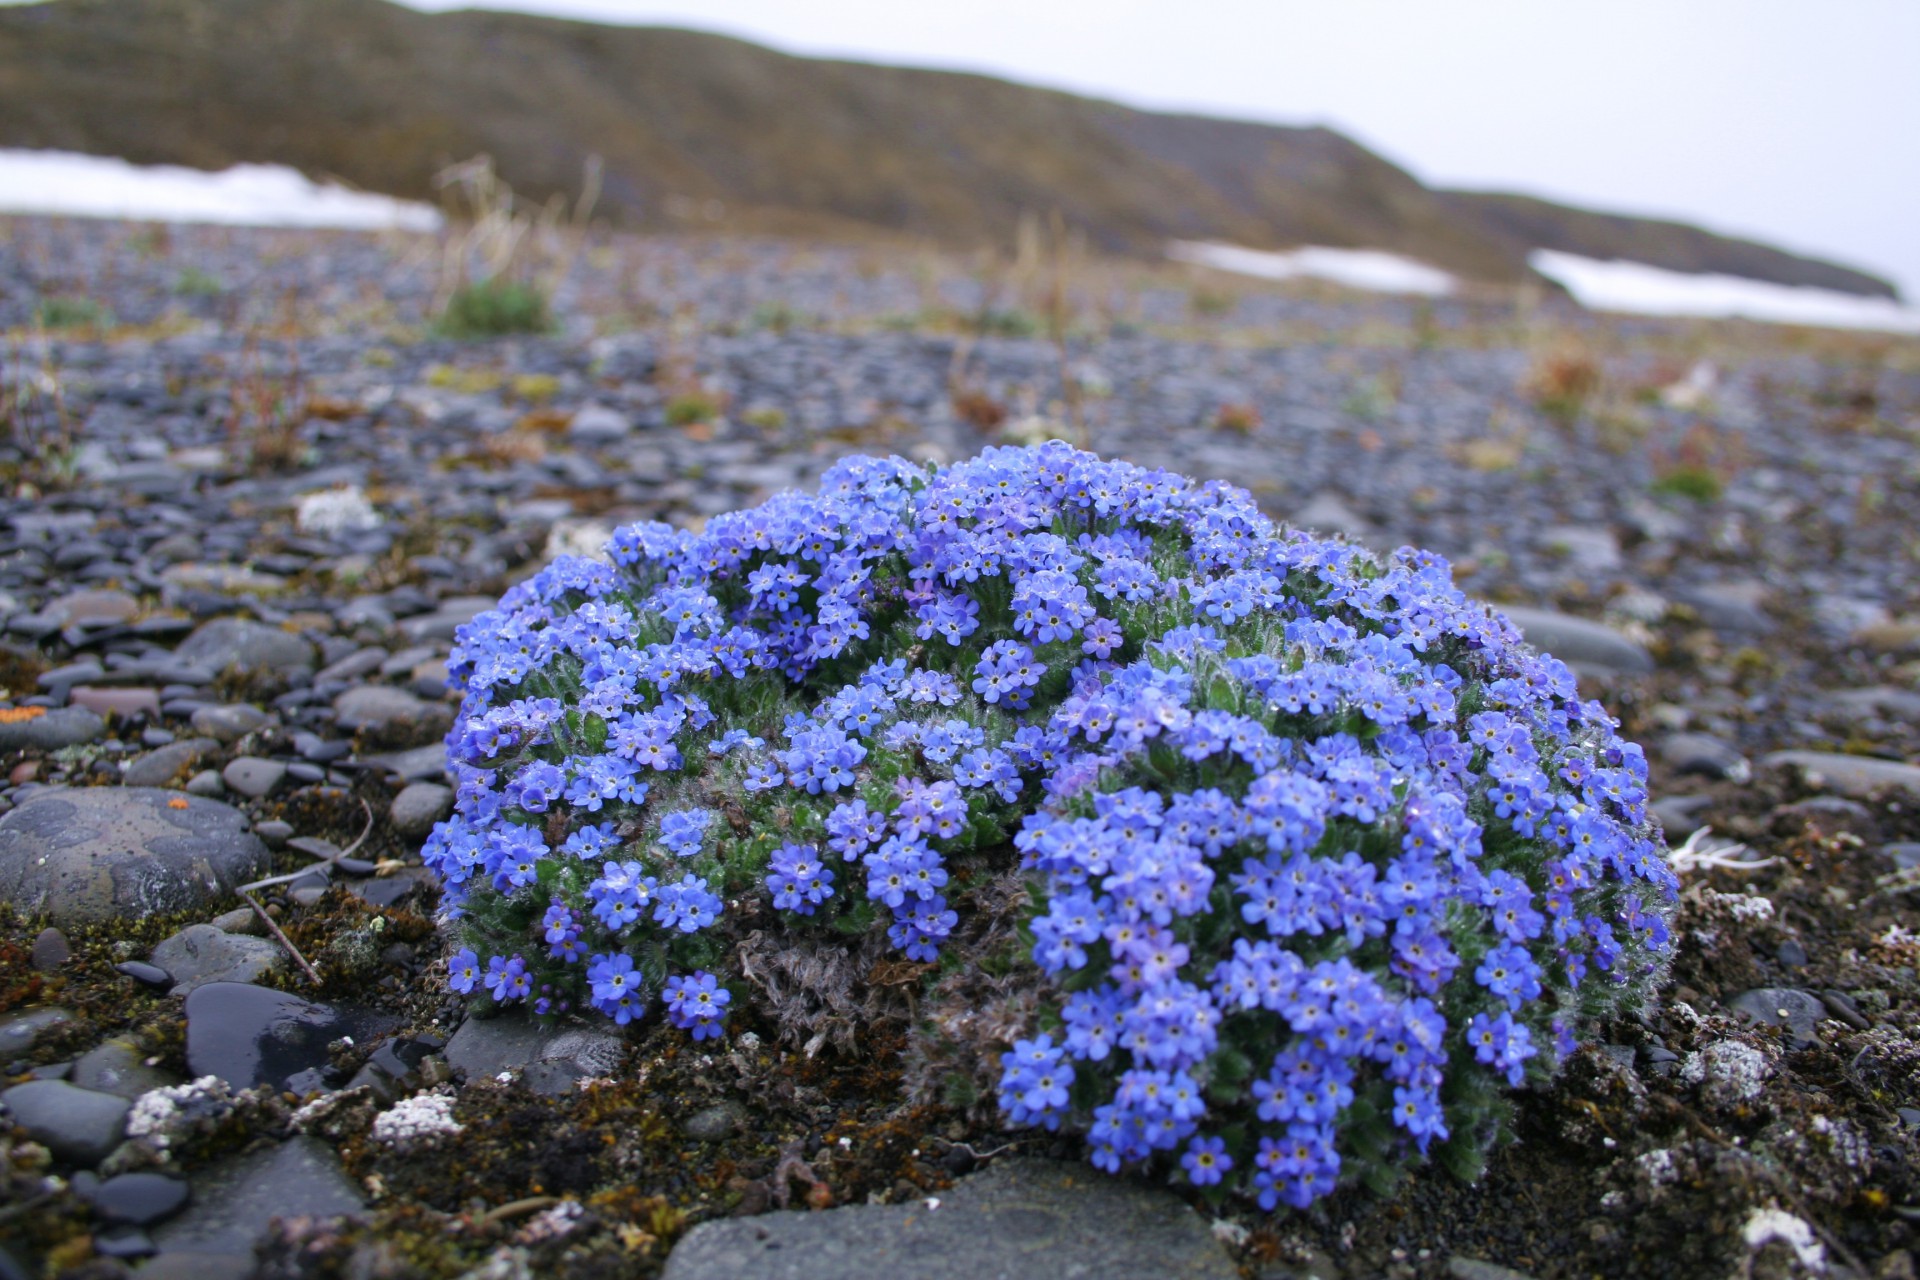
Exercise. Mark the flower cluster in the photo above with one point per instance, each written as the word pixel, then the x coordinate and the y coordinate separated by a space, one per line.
pixel 1323 856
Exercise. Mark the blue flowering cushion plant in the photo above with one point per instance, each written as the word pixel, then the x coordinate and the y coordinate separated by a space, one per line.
pixel 1321 858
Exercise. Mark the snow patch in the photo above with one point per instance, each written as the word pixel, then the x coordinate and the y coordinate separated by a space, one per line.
pixel 1618 285
pixel 70 184
pixel 1368 269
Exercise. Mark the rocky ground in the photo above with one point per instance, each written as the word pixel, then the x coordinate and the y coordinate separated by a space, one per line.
pixel 249 498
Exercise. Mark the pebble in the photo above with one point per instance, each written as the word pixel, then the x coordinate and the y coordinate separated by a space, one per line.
pixel 118 1066
pixel 239 920
pixel 249 1035
pixel 1461 1267
pixel 135 1199
pixel 236 644
pixel 1703 754
pixel 102 853
pixel 418 806
pixel 1800 1012
pixel 380 708
pixel 1861 777
pixel 80 1126
pixel 711 1124
pixel 200 954
pixel 140 971
pixel 20 1029
pixel 56 728
pixel 230 722
pixel 1587 647
pixel 50 950
pixel 1020 1217
pixel 123 703
pixel 253 777
pixel 165 764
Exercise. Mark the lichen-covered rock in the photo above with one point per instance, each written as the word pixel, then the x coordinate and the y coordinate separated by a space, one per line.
pixel 1321 856
pixel 103 853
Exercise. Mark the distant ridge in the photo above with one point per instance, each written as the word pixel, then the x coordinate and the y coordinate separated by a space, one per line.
pixel 383 96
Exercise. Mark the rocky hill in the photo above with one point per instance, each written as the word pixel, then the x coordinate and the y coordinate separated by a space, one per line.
pixel 705 129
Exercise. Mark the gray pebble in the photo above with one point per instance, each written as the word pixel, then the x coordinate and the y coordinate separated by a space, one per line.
pixel 254 777
pixel 231 722
pixel 161 766
pixel 50 950
pixel 418 806
pixel 80 1126
pixel 200 954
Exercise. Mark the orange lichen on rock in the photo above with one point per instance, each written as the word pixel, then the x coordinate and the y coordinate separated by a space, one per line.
pixel 20 715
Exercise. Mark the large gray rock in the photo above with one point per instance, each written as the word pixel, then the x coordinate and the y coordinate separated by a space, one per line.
pixel 1857 776
pixel 237 644
pixel 1587 647
pixel 1020 1218
pixel 78 1125
pixel 104 853
pixel 234 1202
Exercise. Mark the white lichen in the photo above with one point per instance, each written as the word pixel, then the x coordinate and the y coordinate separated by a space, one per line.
pixel 1768 1225
pixel 1658 1168
pixel 1727 1072
pixel 161 1115
pixel 423 1117
pixel 328 513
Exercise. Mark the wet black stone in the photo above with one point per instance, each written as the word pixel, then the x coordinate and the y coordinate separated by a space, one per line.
pixel 249 1035
pixel 1792 954
pixel 136 1199
pixel 151 974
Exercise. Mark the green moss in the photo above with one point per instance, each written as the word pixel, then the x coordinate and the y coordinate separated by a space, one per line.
pixel 1697 483
pixel 494 308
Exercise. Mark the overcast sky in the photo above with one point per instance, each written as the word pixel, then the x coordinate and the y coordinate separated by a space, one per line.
pixel 1795 122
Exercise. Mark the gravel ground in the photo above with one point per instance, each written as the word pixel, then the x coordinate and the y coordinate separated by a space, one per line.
pixel 249 498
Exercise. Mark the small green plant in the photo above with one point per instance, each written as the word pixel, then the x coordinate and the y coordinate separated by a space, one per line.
pixel 691 407
pixel 493 308
pixel 195 283
pixel 72 313
pixel 1007 324
pixel 1689 481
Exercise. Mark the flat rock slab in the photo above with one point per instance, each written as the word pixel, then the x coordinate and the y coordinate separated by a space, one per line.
pixel 1587 647
pixel 1857 776
pixel 234 1202
pixel 1020 1219
pixel 105 853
